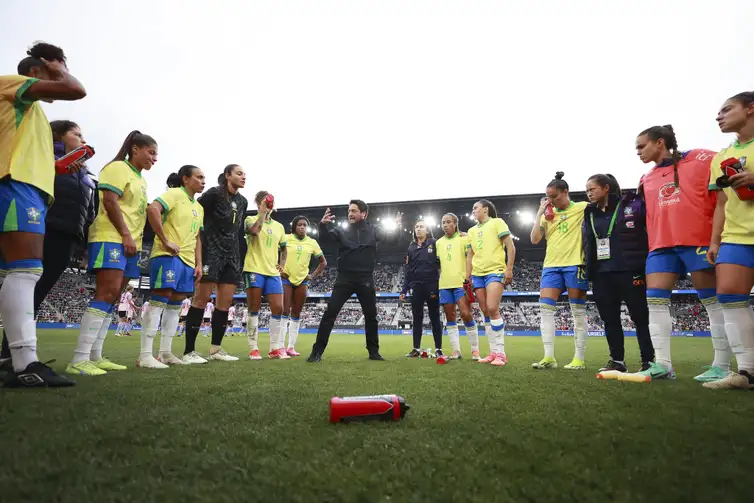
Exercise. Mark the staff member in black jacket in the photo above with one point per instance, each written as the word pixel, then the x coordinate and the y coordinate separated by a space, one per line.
pixel 68 219
pixel 357 256
pixel 422 279
pixel 616 247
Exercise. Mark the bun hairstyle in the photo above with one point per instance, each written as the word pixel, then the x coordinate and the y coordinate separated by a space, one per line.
pixel 60 128
pixel 134 139
pixel 39 51
pixel 491 210
pixel 667 135
pixel 296 220
pixel 558 182
pixel 175 180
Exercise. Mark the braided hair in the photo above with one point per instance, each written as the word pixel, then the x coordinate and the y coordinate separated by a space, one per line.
pixel 667 135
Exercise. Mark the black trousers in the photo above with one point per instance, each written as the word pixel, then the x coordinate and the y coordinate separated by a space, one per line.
pixel 347 284
pixel 430 295
pixel 612 288
pixel 57 252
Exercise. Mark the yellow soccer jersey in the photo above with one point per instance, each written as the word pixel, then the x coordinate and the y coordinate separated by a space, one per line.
pixel 300 253
pixel 26 152
pixel 451 252
pixel 126 181
pixel 563 234
pixel 182 219
pixel 489 254
pixel 739 215
pixel 262 253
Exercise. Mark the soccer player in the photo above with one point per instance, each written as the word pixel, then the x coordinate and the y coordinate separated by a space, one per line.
pixel 231 319
pixel 207 320
pixel 185 306
pixel 488 271
pixel 114 245
pixel 176 261
pixel 563 269
pixel 452 250
pixel 732 245
pixel 27 177
pixel 244 316
pixel 265 260
pixel 224 209
pixel 296 277
pixel 125 306
pixel 679 225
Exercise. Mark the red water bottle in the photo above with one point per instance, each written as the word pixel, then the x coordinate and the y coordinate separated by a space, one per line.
pixel 365 408
pixel 733 166
pixel 442 360
pixel 549 212
pixel 82 153
pixel 270 201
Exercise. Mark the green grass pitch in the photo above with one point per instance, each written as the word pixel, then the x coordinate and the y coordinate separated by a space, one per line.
pixel 259 431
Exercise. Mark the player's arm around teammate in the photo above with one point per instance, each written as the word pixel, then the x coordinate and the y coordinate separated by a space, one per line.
pixel 732 245
pixel 452 252
pixel 26 189
pixel 560 220
pixel 680 210
pixel 301 248
pixel 265 259
pixel 615 249
pixel 175 264
pixel 114 245
pixel 489 272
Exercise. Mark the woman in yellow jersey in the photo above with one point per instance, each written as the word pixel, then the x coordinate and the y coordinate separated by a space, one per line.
pixel 175 264
pixel 296 277
pixel 452 249
pixel 265 260
pixel 559 220
pixel 114 245
pixel 27 177
pixel 732 244
pixel 486 268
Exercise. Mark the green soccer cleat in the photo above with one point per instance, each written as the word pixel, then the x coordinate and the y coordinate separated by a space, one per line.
pixel 545 363
pixel 85 368
pixel 658 371
pixel 575 365
pixel 105 364
pixel 713 373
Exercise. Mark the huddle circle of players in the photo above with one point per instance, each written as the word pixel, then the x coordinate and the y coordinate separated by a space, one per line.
pixel 695 209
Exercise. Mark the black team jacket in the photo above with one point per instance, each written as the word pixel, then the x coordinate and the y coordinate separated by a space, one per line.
pixel 422 266
pixel 357 245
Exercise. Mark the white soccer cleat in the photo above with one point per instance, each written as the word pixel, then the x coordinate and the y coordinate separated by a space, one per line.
pixel 150 363
pixel 222 356
pixel 170 359
pixel 193 358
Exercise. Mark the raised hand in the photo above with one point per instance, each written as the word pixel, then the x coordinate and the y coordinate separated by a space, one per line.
pixel 328 218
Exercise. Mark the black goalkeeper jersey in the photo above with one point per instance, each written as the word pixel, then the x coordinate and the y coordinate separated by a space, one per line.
pixel 223 224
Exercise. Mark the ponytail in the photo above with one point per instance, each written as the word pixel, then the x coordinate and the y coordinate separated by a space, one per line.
pixel 222 180
pixel 175 180
pixel 134 138
pixel 666 134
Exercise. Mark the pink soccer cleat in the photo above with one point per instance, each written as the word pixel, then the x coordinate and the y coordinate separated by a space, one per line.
pixel 292 352
pixel 500 360
pixel 279 354
pixel 489 358
pixel 255 355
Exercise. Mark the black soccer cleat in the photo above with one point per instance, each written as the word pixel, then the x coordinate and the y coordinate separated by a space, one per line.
pixel 439 353
pixel 644 366
pixel 314 358
pixel 612 365
pixel 414 354
pixel 37 375
pixel 376 357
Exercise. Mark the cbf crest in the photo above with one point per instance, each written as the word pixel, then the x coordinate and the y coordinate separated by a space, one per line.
pixel 299 248
pixel 233 205
pixel 170 274
pixel 33 215
pixel 114 255
pixel 269 231
pixel 196 215
pixel 430 249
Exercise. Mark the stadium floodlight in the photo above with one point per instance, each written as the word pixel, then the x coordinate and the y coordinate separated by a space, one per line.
pixel 389 224
pixel 344 224
pixel 430 221
pixel 467 215
pixel 314 231
pixel 525 217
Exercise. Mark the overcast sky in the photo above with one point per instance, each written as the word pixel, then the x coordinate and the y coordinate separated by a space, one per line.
pixel 324 100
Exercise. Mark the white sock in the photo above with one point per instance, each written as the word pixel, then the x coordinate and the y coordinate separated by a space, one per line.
pixel 489 334
pixel 91 323
pixel 168 328
pixel 717 329
pixel 455 343
pixel 579 333
pixel 17 311
pixel 252 323
pixel 275 328
pixel 547 327
pixel 472 332
pixel 293 329
pixel 739 326
pixel 150 330
pixel 498 333
pixel 96 352
pixel 660 326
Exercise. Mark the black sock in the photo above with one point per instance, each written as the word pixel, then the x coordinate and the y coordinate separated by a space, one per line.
pixel 219 322
pixel 5 352
pixel 193 323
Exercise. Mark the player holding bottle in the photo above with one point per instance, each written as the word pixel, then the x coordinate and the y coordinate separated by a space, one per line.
pixel 559 221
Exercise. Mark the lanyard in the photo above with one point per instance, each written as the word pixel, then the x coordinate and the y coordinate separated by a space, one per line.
pixel 612 222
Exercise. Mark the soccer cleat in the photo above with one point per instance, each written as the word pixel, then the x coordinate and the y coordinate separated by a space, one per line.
pixel 222 356
pixel 170 359
pixel 193 358
pixel 742 380
pixel 255 355
pixel 644 366
pixel 439 353
pixel 575 365
pixel 107 365
pixel 713 373
pixel 85 368
pixel 657 371
pixel 455 356
pixel 614 366
pixel 545 363
pixel 292 352
pixel 278 354
pixel 475 356
pixel 500 360
pixel 489 358
pixel 414 354
pixel 314 358
pixel 376 357
pixel 37 375
pixel 150 362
